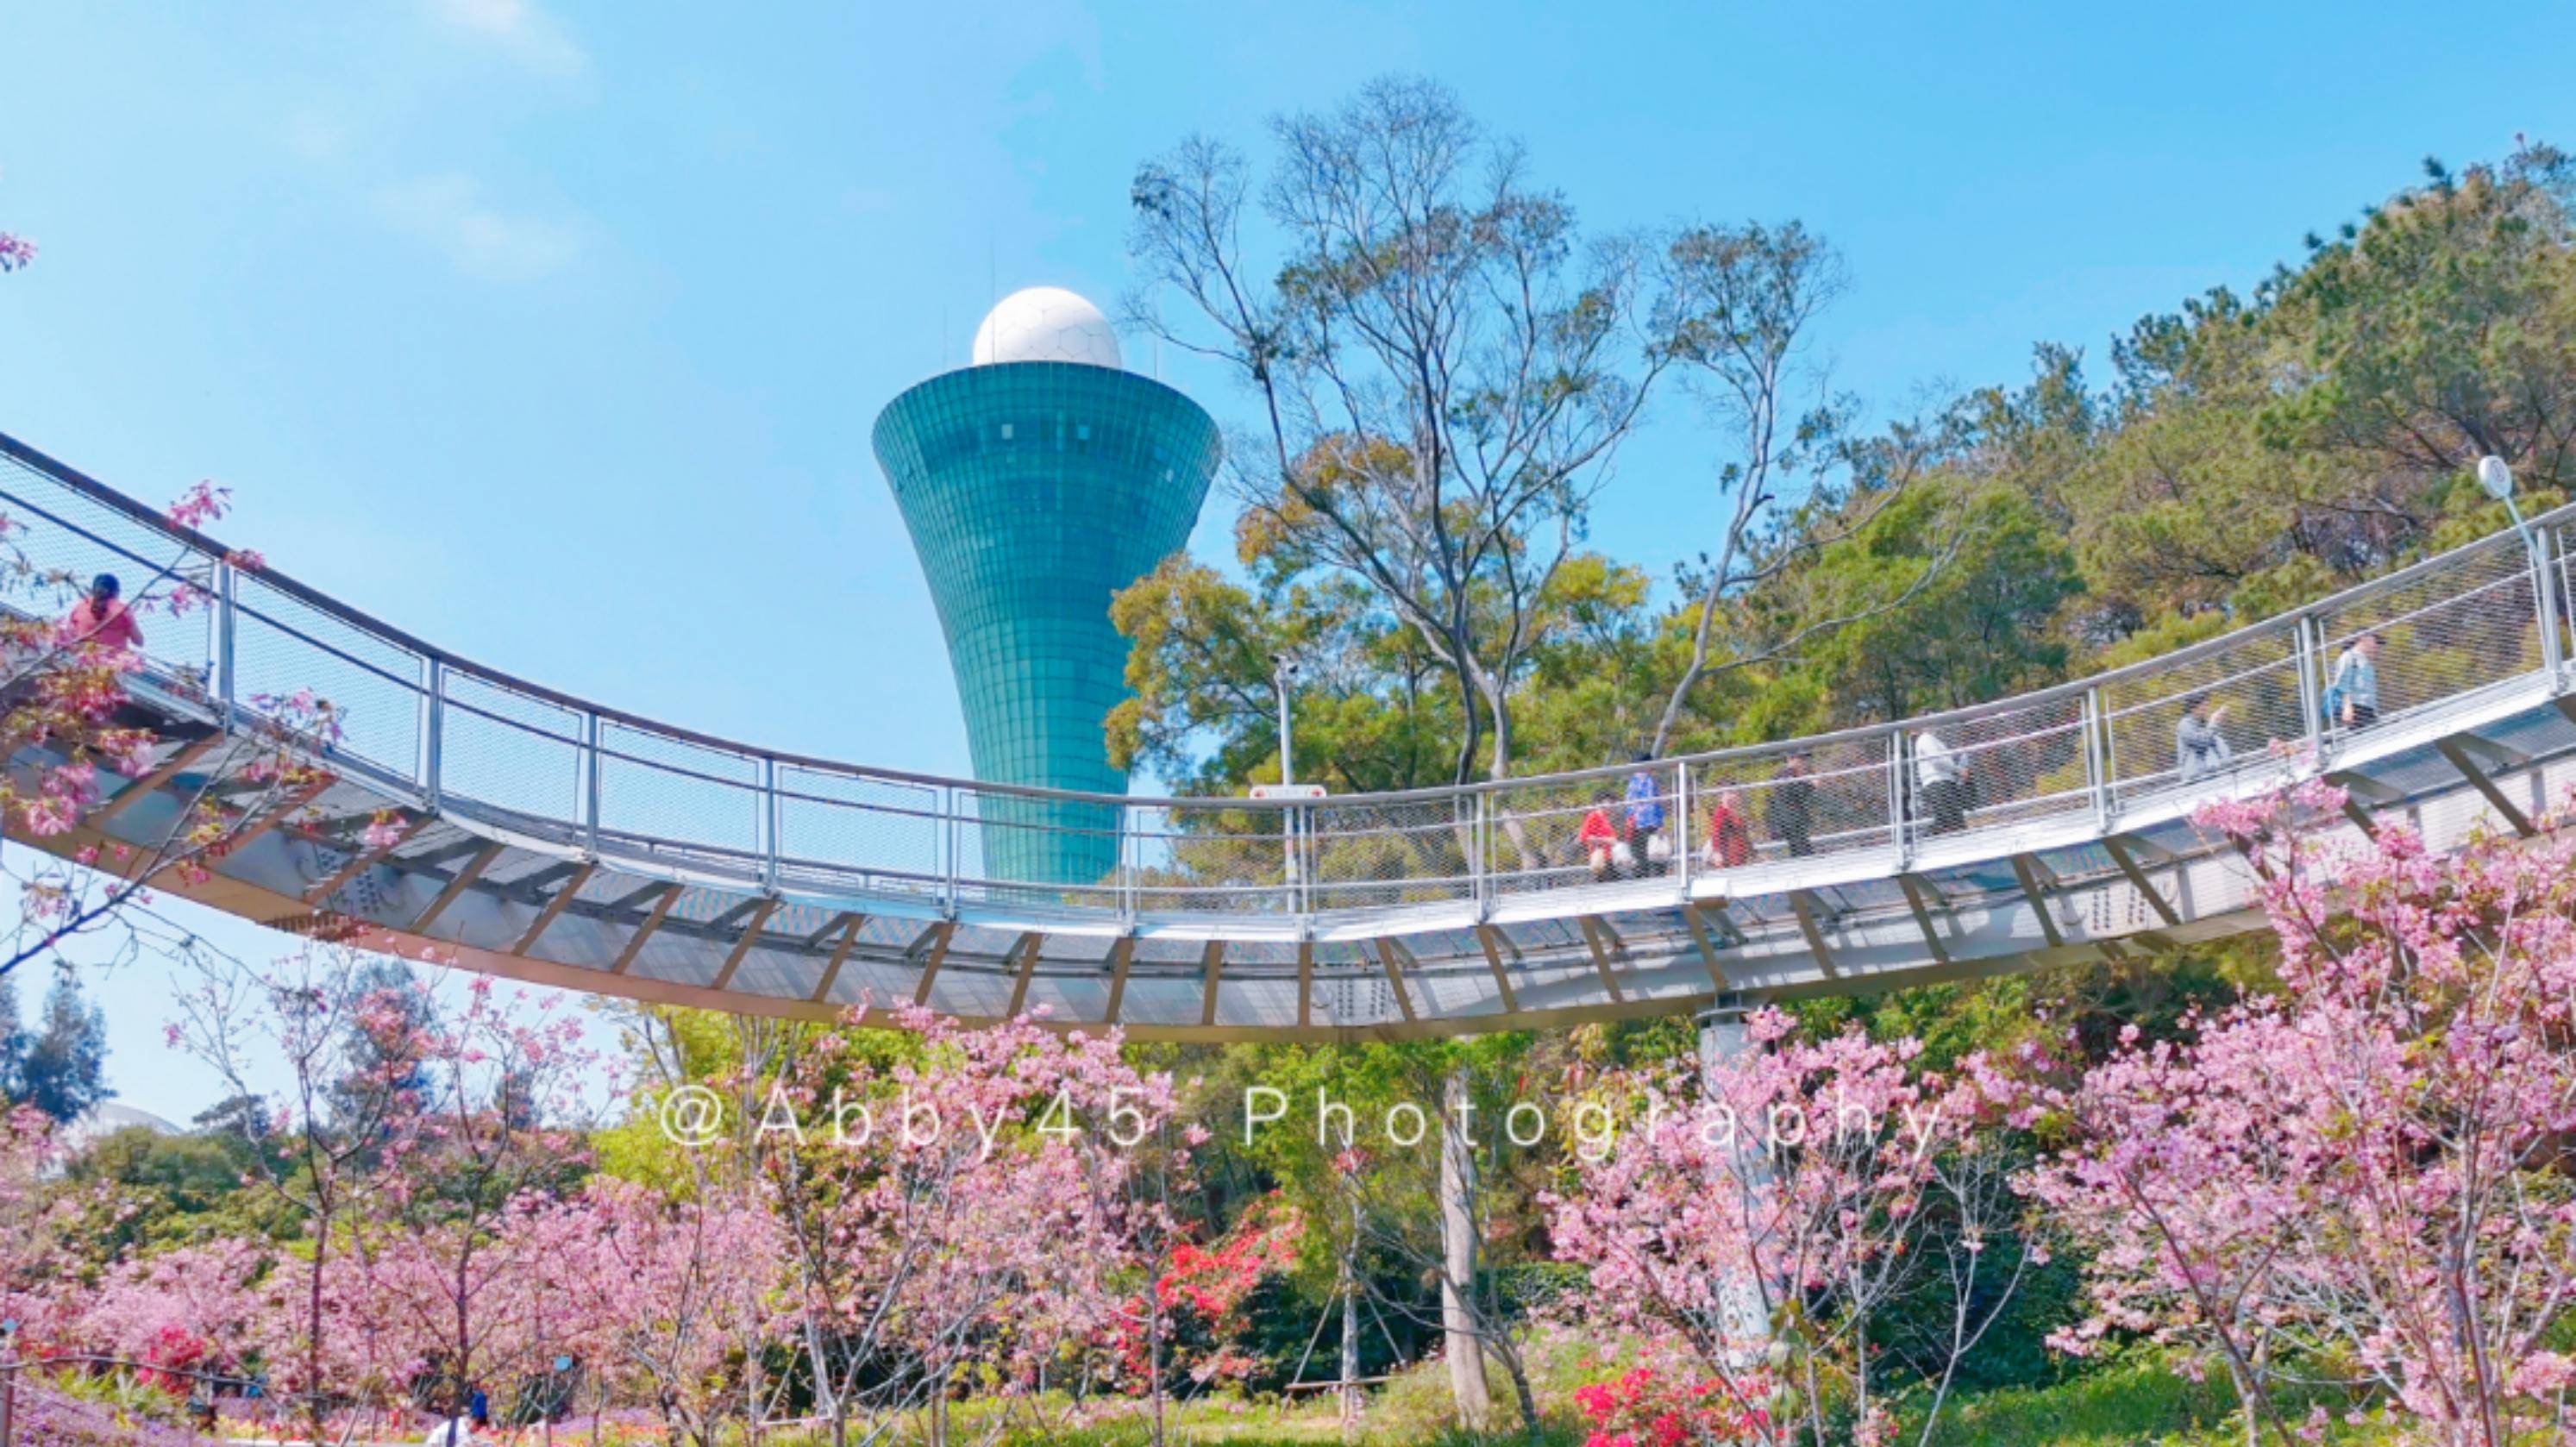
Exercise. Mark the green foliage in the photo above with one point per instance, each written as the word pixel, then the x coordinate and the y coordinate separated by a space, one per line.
pixel 172 1190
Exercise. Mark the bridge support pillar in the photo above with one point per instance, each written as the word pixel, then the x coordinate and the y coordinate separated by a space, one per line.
pixel 1725 1038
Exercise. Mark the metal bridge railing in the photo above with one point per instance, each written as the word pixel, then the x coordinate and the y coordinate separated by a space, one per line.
pixel 449 734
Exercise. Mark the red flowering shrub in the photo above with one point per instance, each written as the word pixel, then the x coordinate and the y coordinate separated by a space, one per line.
pixel 1645 1408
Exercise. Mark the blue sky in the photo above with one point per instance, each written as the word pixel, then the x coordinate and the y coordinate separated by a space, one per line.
pixel 554 330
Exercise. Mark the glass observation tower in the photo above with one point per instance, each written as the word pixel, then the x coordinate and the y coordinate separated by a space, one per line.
pixel 1036 483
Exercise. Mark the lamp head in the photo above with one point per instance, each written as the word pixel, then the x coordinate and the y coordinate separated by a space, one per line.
pixel 2494 478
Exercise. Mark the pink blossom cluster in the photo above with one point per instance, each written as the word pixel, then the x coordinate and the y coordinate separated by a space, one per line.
pixel 2369 1167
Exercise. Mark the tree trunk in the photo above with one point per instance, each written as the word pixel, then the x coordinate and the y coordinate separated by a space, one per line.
pixel 313 1328
pixel 1350 1286
pixel 1463 1342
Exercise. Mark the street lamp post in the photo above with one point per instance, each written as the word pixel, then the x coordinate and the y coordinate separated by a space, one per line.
pixel 1283 676
pixel 2496 480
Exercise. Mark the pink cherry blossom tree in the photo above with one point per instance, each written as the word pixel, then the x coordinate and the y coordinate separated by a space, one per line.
pixel 1761 1214
pixel 2370 1168
pixel 349 1044
pixel 37 1225
pixel 66 663
pixel 455 1252
pixel 655 1294
pixel 191 1309
pixel 962 1199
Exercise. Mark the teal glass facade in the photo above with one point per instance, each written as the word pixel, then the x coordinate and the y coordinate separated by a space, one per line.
pixel 1034 491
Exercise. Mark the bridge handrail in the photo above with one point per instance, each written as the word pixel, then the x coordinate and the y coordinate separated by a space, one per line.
pixel 2081 720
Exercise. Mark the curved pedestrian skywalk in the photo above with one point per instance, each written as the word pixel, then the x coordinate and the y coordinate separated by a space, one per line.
pixel 545 838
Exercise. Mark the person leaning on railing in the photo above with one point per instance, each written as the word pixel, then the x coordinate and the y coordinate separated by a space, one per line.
pixel 101 619
pixel 1603 841
pixel 1730 832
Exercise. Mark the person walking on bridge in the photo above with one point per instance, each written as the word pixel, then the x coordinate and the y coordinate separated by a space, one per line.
pixel 2352 695
pixel 1941 792
pixel 1789 810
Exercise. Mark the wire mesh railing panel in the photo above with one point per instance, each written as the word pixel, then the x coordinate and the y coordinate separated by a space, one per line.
pixel 859 823
pixel 1014 848
pixel 2205 717
pixel 501 747
pixel 66 538
pixel 1792 801
pixel 1375 854
pixel 1543 834
pixel 2469 621
pixel 2012 767
pixel 653 783
pixel 283 646
pixel 1210 857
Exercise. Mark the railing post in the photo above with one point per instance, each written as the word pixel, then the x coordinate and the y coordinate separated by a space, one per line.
pixel 2545 594
pixel 433 735
pixel 948 840
pixel 1484 852
pixel 227 680
pixel 2311 698
pixel 2097 757
pixel 1896 829
pixel 769 849
pixel 1131 860
pixel 1681 827
pixel 590 787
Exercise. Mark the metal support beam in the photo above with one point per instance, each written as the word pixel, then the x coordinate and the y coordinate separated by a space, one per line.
pixel 1494 962
pixel 1027 949
pixel 1707 952
pixel 635 941
pixel 363 860
pixel 2363 786
pixel 2457 749
pixel 2121 855
pixel 1121 956
pixel 144 787
pixel 937 938
pixel 1804 904
pixel 554 906
pixel 637 899
pixel 2026 869
pixel 840 954
pixel 1211 971
pixel 742 946
pixel 463 880
pixel 1305 983
pixel 834 925
pixel 642 932
pixel 1914 887
pixel 1592 932
pixel 1395 977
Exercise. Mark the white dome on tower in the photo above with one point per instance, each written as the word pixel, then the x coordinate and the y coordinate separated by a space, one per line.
pixel 1046 324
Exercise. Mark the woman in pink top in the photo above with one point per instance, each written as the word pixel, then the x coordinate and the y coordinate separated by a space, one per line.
pixel 101 620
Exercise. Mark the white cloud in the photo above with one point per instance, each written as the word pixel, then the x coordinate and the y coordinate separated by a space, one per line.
pixel 519 29
pixel 449 213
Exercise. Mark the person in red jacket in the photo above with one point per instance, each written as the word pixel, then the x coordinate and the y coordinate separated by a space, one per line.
pixel 1601 839
pixel 1730 832
pixel 101 620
